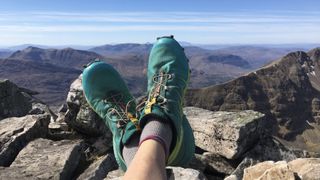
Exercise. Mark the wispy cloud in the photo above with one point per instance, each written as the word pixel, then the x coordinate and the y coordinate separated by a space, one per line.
pixel 259 25
pixel 163 17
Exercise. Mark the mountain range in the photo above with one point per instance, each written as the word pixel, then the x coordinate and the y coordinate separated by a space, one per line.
pixel 50 71
pixel 287 91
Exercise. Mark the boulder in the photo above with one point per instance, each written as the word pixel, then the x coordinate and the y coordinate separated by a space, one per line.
pixel 13 101
pixel 301 168
pixel 79 115
pixel 228 134
pixel 268 149
pixel 45 159
pixel 99 168
pixel 16 132
pixel 306 168
pixel 269 170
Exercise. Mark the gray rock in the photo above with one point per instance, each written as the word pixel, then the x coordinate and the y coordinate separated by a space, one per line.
pixel 13 101
pixel 15 133
pixel 45 159
pixel 99 168
pixel 60 130
pixel 269 170
pixel 178 173
pixel 80 116
pixel 173 173
pixel 228 134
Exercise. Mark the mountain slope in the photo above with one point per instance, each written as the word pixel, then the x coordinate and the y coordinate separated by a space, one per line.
pixel 285 90
pixel 257 56
pixel 5 53
pixel 51 81
pixel 207 68
pixel 126 48
pixel 64 57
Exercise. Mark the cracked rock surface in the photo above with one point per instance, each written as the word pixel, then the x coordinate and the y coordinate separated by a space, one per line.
pixel 15 133
pixel 45 159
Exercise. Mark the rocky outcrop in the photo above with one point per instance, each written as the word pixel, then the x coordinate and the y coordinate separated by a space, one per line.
pixel 296 169
pixel 17 101
pixel 15 133
pixel 228 134
pixel 80 115
pixel 13 101
pixel 45 159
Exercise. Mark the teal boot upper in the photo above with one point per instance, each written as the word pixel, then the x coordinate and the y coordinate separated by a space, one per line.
pixel 109 97
pixel 168 76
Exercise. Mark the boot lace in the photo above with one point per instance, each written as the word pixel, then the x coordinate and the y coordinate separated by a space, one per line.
pixel 155 96
pixel 120 110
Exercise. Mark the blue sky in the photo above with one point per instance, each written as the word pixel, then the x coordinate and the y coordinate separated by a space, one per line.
pixel 96 22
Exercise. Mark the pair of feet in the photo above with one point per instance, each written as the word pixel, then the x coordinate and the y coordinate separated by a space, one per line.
pixel 168 76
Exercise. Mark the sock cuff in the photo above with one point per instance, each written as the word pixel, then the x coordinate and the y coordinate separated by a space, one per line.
pixel 158 139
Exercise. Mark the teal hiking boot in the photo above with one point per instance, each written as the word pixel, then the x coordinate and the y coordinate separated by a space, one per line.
pixel 109 97
pixel 168 76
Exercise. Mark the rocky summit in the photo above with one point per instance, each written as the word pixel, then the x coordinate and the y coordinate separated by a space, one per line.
pixel 234 125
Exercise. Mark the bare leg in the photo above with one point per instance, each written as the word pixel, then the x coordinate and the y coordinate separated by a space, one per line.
pixel 148 163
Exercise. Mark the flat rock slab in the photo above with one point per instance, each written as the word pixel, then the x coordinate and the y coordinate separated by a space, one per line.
pixel 45 159
pixel 228 134
pixel 15 133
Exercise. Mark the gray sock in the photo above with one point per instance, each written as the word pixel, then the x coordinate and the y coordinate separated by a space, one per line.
pixel 158 131
pixel 130 149
pixel 154 129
